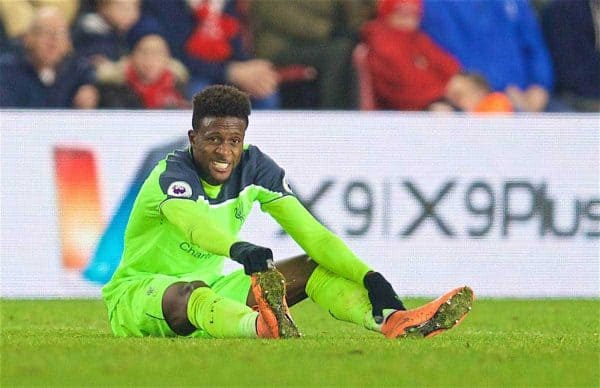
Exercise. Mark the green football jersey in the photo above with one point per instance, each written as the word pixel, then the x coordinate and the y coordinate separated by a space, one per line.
pixel 181 226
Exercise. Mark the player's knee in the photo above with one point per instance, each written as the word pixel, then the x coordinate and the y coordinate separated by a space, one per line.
pixel 174 304
pixel 177 295
pixel 188 288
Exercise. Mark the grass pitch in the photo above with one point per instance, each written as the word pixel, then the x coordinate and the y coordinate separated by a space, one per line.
pixel 501 343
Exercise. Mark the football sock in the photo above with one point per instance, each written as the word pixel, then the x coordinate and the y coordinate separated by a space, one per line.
pixel 345 300
pixel 220 317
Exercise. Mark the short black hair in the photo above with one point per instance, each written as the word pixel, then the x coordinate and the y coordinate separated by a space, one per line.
pixel 220 101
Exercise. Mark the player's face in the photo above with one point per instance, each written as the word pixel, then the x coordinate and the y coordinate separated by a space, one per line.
pixel 218 145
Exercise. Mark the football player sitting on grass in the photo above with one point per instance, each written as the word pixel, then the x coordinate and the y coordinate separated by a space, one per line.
pixel 185 223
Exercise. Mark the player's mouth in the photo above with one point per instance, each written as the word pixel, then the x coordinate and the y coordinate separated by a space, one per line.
pixel 220 167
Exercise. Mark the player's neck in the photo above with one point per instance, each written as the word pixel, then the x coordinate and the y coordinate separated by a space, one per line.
pixel 211 190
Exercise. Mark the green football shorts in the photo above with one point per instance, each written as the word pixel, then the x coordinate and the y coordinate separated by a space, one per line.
pixel 138 312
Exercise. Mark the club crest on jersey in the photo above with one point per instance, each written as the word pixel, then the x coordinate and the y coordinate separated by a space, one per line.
pixel 180 189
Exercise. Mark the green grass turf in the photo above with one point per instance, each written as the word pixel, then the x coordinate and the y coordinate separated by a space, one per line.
pixel 501 343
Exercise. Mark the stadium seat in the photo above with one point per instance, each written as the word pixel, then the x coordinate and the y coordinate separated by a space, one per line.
pixel 366 95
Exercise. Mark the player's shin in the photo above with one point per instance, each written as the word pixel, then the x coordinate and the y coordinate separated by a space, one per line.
pixel 345 300
pixel 221 317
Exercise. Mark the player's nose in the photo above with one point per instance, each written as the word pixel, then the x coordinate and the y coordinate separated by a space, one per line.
pixel 223 150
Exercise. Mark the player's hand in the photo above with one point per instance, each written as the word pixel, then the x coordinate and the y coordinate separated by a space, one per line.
pixel 381 295
pixel 254 258
pixel 256 77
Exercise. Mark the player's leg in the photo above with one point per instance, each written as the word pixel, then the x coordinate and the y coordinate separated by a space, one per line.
pixel 192 306
pixel 348 301
pixel 268 297
pixel 138 310
pixel 344 299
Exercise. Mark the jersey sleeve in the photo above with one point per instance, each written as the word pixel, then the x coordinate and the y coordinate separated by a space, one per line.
pixel 180 184
pixel 196 225
pixel 318 242
pixel 270 178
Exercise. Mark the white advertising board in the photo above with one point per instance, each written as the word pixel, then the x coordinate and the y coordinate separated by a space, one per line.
pixel 507 205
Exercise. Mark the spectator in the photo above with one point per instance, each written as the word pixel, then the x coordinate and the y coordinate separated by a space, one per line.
pixel 572 30
pixel 149 78
pixel 205 36
pixel 317 33
pixel 43 74
pixel 409 70
pixel 16 16
pixel 500 39
pixel 102 35
pixel 6 44
pixel 470 92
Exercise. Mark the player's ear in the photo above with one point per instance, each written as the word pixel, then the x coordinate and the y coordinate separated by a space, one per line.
pixel 191 135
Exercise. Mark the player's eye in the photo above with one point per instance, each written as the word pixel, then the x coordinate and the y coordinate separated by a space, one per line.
pixel 235 141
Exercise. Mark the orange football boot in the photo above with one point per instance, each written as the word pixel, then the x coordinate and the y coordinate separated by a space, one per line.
pixel 274 320
pixel 432 318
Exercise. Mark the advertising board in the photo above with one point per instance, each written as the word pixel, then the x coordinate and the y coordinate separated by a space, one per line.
pixel 507 205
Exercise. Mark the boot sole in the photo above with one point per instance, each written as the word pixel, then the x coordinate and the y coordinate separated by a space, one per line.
pixel 448 315
pixel 272 284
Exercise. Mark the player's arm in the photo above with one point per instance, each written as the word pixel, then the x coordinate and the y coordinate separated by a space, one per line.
pixel 330 251
pixel 198 228
pixel 318 242
pixel 315 239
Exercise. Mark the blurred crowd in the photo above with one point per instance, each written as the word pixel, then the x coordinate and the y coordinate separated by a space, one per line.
pixel 418 55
